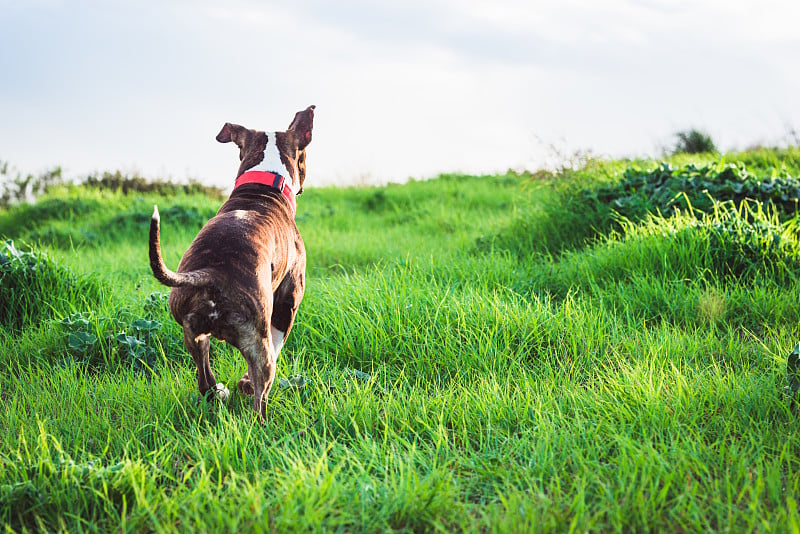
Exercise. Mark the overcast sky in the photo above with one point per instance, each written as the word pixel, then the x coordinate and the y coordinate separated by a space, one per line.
pixel 402 87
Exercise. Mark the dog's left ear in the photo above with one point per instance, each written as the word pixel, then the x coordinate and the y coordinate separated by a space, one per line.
pixel 224 135
pixel 302 125
pixel 233 132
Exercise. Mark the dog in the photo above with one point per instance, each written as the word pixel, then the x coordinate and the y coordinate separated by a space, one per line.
pixel 243 276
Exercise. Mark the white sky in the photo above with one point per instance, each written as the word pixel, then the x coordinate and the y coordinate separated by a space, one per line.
pixel 402 87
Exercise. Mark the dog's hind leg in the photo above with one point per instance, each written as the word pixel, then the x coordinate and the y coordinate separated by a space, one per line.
pixel 199 346
pixel 245 385
pixel 277 340
pixel 260 357
pixel 287 299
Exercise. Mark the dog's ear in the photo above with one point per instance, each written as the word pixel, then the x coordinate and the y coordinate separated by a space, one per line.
pixel 224 135
pixel 231 132
pixel 302 125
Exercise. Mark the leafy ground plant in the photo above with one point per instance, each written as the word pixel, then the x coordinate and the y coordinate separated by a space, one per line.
pixel 665 189
pixel 136 340
pixel 33 287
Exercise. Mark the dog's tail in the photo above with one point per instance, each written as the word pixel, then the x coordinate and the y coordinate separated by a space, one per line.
pixel 160 270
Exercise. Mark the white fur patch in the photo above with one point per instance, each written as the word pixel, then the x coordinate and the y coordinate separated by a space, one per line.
pixel 272 161
pixel 241 214
pixel 221 392
pixel 277 340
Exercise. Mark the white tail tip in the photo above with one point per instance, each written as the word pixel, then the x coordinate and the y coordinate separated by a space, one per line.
pixel 156 216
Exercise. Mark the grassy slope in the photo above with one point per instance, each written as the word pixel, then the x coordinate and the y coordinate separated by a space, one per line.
pixel 471 363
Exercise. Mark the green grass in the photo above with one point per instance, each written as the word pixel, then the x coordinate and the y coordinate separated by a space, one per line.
pixel 494 353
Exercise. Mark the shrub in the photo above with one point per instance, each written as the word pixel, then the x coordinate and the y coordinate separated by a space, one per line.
pixel 117 181
pixel 693 142
pixel 33 287
pixel 746 241
pixel 732 243
pixel 682 267
pixel 15 188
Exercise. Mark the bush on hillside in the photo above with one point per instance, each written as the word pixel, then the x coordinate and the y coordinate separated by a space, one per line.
pixel 33 287
pixel 117 181
pixel 746 241
pixel 16 188
pixel 730 243
pixel 693 142
pixel 745 244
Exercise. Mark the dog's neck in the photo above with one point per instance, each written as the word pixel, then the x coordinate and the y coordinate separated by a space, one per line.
pixel 271 172
pixel 270 179
pixel 272 161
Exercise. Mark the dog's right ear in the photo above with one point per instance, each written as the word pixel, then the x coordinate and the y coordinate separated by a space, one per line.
pixel 302 125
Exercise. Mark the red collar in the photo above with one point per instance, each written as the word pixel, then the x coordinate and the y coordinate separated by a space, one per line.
pixel 272 179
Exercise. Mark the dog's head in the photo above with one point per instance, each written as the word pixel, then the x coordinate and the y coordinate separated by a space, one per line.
pixel 284 150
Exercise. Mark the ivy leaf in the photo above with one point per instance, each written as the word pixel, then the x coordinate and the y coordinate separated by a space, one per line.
pixel 144 325
pixel 76 320
pixel 358 375
pixel 297 382
pixel 134 345
pixel 81 341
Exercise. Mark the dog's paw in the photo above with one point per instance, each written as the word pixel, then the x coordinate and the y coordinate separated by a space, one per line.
pixel 219 392
pixel 245 386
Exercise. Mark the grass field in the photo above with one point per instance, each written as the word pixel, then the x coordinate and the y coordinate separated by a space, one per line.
pixel 565 351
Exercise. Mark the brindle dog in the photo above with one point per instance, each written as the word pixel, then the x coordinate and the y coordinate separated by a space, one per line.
pixel 243 277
